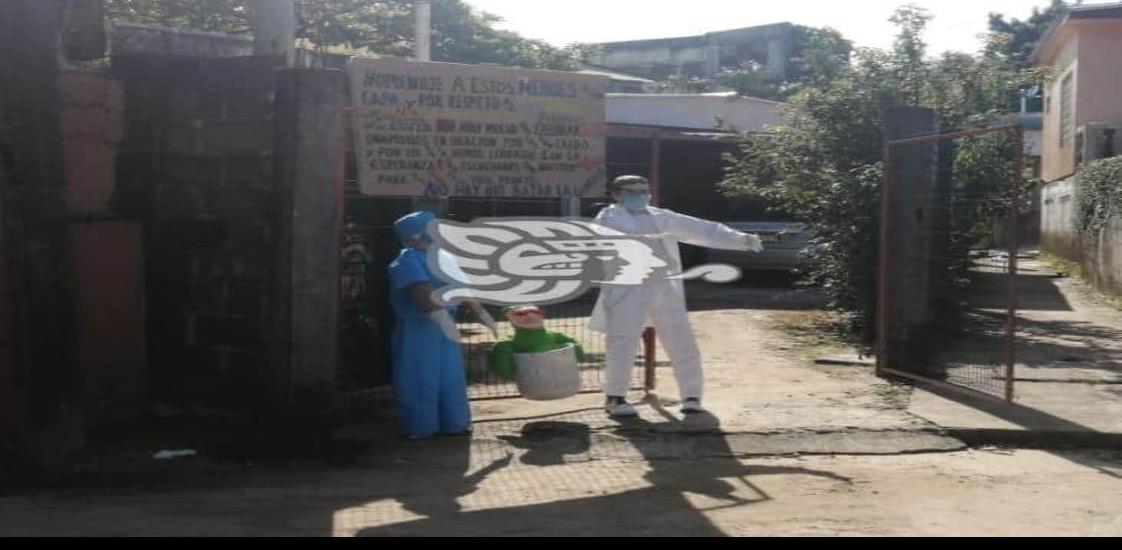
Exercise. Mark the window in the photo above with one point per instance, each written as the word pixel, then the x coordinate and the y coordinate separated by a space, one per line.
pixel 1067 110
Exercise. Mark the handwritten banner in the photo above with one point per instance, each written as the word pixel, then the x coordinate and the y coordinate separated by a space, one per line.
pixel 447 130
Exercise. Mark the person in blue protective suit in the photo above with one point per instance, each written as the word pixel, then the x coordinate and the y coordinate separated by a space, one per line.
pixel 430 382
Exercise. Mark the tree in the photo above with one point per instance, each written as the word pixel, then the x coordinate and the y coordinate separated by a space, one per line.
pixel 909 52
pixel 821 54
pixel 383 27
pixel 823 164
pixel 1025 35
pixel 225 16
pixel 461 34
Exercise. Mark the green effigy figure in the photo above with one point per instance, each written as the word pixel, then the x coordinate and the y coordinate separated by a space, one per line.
pixel 530 336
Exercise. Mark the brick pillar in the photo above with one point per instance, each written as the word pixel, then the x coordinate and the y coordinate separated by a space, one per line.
pixel 906 291
pixel 310 110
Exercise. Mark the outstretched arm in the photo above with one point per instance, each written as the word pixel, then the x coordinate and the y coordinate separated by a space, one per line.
pixel 707 234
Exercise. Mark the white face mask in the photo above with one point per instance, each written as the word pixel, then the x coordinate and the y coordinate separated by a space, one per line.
pixel 635 203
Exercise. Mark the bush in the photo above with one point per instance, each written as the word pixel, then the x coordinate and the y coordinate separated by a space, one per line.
pixel 823 164
pixel 1100 195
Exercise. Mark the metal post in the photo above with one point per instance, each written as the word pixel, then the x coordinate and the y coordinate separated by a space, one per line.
pixel 424 30
pixel 650 357
pixel 649 336
pixel 883 279
pixel 656 163
pixel 1014 248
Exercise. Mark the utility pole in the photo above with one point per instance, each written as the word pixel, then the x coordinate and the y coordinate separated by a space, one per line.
pixel 274 28
pixel 424 30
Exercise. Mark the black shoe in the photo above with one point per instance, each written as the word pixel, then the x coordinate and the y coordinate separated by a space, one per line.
pixel 692 406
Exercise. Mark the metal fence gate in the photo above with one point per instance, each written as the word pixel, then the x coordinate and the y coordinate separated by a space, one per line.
pixel 949 246
pixel 570 318
pixel 368 319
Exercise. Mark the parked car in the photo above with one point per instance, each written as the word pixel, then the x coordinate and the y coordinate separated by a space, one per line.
pixel 786 242
pixel 786 247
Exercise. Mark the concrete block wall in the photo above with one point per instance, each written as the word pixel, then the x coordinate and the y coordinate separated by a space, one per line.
pixel 197 166
pixel 1107 258
pixel 1100 255
pixel 1059 208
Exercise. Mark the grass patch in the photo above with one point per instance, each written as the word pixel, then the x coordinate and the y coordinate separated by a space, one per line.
pixel 811 332
pixel 1063 265
pixel 1075 271
pixel 896 394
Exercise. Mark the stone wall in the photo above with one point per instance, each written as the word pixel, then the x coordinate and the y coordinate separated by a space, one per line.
pixel 1100 255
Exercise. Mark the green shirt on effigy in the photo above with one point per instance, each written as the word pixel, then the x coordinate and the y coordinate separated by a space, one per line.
pixel 528 341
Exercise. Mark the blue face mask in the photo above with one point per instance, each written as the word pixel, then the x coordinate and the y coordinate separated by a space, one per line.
pixel 635 202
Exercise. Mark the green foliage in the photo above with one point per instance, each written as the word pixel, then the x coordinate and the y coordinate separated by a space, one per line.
pixel 226 16
pixel 1100 195
pixel 983 176
pixel 823 164
pixel 1023 36
pixel 383 27
pixel 909 53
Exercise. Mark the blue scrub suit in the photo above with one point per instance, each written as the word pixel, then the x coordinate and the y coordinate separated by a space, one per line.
pixel 430 381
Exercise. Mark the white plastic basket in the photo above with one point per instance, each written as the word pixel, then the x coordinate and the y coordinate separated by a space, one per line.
pixel 548 376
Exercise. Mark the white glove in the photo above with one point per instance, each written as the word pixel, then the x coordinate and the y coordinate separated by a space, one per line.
pixel 751 243
pixel 487 321
pixel 447 324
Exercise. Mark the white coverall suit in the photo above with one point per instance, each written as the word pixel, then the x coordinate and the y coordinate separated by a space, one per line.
pixel 623 312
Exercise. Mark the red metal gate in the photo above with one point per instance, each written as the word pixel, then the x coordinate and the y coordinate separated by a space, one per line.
pixel 949 246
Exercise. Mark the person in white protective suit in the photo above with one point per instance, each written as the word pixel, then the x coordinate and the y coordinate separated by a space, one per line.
pixel 623 312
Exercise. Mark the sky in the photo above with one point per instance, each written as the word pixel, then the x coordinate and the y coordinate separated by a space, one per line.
pixel 956 27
